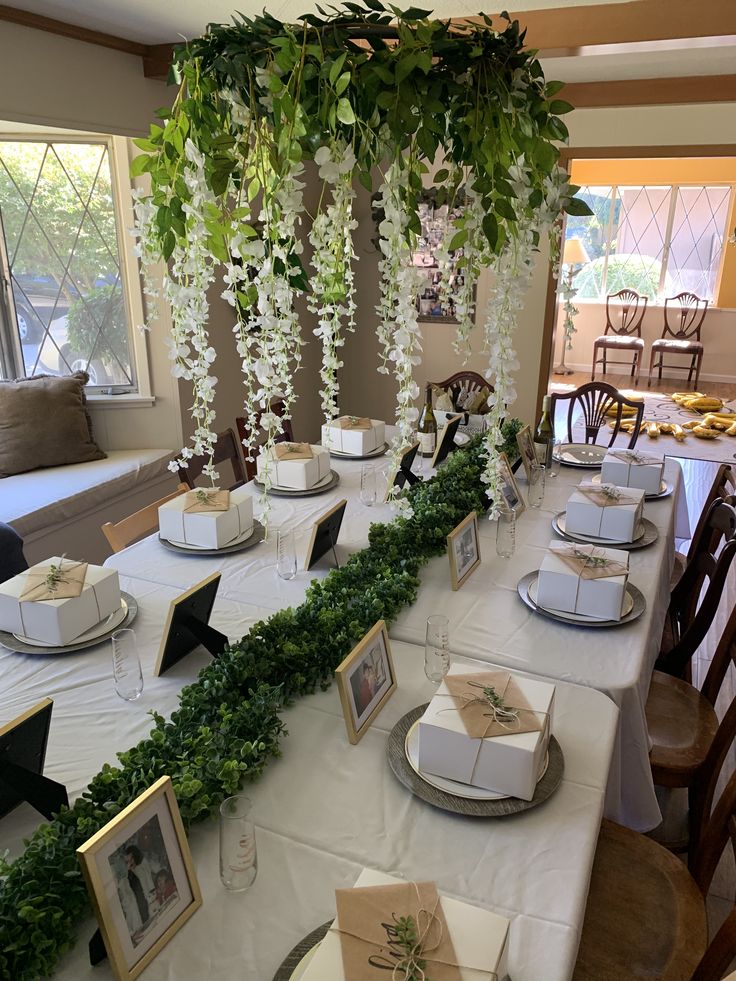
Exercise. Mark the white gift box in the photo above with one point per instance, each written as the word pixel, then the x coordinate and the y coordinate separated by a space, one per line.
pixel 60 621
pixel 624 470
pixel 508 764
pixel 479 937
pixel 208 529
pixel 297 474
pixel 560 588
pixel 619 522
pixel 355 441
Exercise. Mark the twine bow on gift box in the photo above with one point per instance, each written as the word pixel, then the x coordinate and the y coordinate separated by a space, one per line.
pixel 606 495
pixel 355 422
pixel 588 562
pixel 204 500
pixel 53 582
pixel 636 458
pixel 285 452
pixel 490 704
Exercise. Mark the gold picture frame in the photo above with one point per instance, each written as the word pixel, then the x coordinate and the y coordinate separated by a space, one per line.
pixel 137 921
pixel 513 498
pixel 361 696
pixel 525 442
pixel 463 550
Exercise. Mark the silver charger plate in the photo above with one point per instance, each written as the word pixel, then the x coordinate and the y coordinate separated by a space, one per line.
pixel 636 606
pixel 322 487
pixel 239 545
pixel 500 807
pixel 9 640
pixel 293 965
pixel 665 489
pixel 379 451
pixel 585 455
pixel 647 534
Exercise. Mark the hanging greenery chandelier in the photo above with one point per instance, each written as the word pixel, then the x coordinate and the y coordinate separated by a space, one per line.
pixel 367 92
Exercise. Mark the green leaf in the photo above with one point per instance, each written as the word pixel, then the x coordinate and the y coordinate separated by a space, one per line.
pixel 504 209
pixel 441 176
pixel 342 83
pixel 490 229
pixel 558 107
pixel 552 88
pixel 336 67
pixel 364 176
pixel 458 240
pixel 140 164
pixel 577 207
pixel 145 144
pixel 345 112
pixel 405 66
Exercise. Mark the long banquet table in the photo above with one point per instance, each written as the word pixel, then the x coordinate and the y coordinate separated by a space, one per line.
pixel 326 809
pixel 488 621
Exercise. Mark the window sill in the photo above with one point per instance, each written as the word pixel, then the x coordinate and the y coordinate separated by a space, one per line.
pixel 129 400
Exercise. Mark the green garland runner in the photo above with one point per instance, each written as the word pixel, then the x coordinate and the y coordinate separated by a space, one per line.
pixel 227 726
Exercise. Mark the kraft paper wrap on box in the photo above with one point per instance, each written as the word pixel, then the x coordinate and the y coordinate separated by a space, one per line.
pixel 605 511
pixel 293 451
pixel 186 520
pixel 54 582
pixel 298 466
pixel 357 435
pixel 478 937
pixel 501 747
pixel 206 500
pixel 85 595
pixel 354 422
pixel 633 468
pixel 588 580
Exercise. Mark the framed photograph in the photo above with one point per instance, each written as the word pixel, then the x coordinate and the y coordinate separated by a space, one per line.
pixel 525 442
pixel 188 625
pixel 366 680
pixel 446 439
pixel 463 548
pixel 325 532
pixel 141 879
pixel 509 487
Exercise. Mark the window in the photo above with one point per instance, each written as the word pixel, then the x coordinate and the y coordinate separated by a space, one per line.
pixel 63 256
pixel 658 239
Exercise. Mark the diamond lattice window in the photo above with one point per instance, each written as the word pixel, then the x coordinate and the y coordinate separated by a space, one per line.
pixel 61 241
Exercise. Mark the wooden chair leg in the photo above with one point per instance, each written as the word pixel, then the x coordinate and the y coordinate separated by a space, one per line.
pixel 595 361
pixel 697 371
pixel 651 368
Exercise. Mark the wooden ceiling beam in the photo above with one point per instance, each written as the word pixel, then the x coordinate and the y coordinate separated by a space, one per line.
pixel 651 91
pixel 25 18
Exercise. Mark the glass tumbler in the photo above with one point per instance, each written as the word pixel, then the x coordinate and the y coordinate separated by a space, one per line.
pixel 285 553
pixel 506 533
pixel 554 467
pixel 367 485
pixel 437 648
pixel 126 666
pixel 238 855
pixel 537 479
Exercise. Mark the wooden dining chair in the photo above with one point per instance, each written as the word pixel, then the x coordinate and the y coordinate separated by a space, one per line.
pixel 595 399
pixel 278 406
pixel 622 335
pixel 646 913
pixel 683 320
pixel 695 599
pixel 468 382
pixel 724 484
pixel 122 533
pixel 226 450
pixel 688 744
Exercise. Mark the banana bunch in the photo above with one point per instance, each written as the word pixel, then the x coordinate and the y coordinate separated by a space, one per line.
pixel 655 429
pixel 626 410
pixel 697 401
pixel 714 423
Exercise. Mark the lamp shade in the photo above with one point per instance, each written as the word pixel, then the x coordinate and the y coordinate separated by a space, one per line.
pixel 574 253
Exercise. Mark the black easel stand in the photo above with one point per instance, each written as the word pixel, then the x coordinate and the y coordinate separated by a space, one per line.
pixel 211 639
pixel 46 795
pixel 97 950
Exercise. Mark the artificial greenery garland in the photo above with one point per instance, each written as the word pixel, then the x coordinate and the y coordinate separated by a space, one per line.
pixel 227 726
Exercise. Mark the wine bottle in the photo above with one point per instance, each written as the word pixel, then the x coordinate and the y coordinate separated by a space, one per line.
pixel 427 428
pixel 544 435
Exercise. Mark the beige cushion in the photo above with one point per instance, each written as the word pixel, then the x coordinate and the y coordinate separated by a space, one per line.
pixel 44 423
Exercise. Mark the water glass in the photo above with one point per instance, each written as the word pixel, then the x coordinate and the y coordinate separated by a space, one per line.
pixel 285 553
pixel 437 648
pixel 238 855
pixel 554 467
pixel 537 479
pixel 367 485
pixel 506 533
pixel 126 665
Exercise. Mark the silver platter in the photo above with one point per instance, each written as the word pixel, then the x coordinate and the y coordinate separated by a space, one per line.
pixel 259 533
pixel 321 488
pixel 379 451
pixel 9 641
pixel 636 597
pixel 648 535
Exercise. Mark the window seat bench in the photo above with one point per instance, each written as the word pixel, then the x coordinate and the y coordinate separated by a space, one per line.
pixel 60 510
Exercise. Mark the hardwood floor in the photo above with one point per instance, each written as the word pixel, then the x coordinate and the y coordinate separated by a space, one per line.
pixel 564 383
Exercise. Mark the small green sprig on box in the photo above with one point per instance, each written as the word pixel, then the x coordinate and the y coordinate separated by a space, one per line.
pixel 610 491
pixel 205 496
pixel 500 710
pixel 406 938
pixel 55 576
pixel 596 561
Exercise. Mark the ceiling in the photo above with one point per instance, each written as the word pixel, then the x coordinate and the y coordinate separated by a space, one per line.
pixel 162 21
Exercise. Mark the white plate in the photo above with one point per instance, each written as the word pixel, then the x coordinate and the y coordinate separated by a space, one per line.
pixel 109 623
pixel 461 439
pixel 298 490
pixel 594 539
pixel 234 541
pixel 581 617
pixel 303 964
pixel 411 745
pixel 664 488
pixel 582 454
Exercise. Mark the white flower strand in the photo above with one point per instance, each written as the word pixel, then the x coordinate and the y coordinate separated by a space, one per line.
pixel 333 284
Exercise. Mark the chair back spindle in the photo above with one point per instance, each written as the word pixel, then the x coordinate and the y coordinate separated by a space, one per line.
pixel 632 305
pixel 595 399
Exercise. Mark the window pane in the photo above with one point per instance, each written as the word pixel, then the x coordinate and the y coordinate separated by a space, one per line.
pixel 697 240
pixel 58 215
pixel 592 231
pixel 637 241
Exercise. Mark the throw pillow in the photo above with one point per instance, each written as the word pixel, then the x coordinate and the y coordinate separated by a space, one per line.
pixel 44 423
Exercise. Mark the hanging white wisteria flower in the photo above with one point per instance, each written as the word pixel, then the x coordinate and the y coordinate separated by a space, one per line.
pixel 567 292
pixel 333 285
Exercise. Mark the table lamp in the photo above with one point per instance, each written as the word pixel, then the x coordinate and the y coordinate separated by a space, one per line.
pixel 573 255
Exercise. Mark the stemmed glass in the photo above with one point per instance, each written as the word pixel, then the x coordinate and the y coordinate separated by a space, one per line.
pixel 238 855
pixel 506 533
pixel 437 648
pixel 285 553
pixel 537 479
pixel 367 485
pixel 126 665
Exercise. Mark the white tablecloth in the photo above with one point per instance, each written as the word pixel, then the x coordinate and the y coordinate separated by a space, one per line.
pixel 487 618
pixel 326 809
